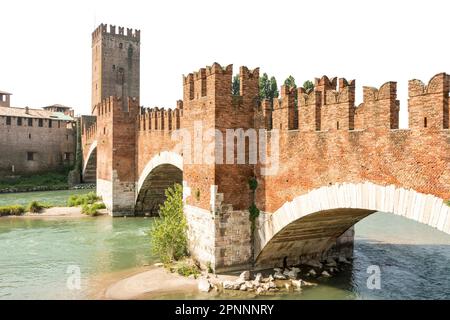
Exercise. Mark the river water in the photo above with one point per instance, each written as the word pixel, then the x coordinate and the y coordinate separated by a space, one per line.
pixel 38 256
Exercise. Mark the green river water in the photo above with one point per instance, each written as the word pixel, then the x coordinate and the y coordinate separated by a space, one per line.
pixel 36 254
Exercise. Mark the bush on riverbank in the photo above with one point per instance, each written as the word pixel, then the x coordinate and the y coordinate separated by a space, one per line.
pixel 81 200
pixel 92 209
pixel 13 210
pixel 36 206
pixel 447 202
pixel 185 268
pixel 168 234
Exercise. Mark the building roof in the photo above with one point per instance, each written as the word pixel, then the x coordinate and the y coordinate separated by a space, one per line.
pixel 5 93
pixel 34 113
pixel 57 106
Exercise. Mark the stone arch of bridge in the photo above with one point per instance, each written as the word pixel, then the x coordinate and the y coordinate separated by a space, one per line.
pixel 310 224
pixel 89 173
pixel 161 172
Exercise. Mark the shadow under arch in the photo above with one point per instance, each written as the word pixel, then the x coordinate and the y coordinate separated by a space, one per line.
pixel 310 225
pixel 161 172
pixel 90 165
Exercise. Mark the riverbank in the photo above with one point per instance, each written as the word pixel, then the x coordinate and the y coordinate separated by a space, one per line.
pixel 157 282
pixel 57 212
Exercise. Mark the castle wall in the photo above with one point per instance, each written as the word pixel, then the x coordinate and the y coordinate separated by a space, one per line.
pixel 52 148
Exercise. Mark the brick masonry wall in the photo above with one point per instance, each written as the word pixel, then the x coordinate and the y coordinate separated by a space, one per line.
pixel 48 144
pixel 333 142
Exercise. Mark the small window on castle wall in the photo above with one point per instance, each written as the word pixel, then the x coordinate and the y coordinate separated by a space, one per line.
pixel 425 122
pixel 30 156
pixel 50 124
pixel 104 130
pixel 8 121
pixel 29 136
pixel 120 45
pixel 41 123
pixel 59 124
pixel 114 67
pixel 337 125
pixel 30 122
pixel 19 121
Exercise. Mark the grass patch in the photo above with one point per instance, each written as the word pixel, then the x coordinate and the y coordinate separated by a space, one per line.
pixel 13 210
pixel 37 207
pixel 447 202
pixel 185 268
pixel 47 181
pixel 92 209
pixel 82 200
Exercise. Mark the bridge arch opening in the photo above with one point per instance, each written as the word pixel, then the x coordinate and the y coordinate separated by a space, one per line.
pixel 90 166
pixel 320 223
pixel 152 193
pixel 160 173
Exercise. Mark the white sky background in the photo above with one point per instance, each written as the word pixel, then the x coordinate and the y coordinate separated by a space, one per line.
pixel 45 50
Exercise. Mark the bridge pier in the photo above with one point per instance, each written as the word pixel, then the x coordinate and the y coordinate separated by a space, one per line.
pixel 221 239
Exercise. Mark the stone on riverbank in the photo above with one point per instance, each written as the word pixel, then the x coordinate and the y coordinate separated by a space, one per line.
pixel 325 274
pixel 204 285
pixel 245 275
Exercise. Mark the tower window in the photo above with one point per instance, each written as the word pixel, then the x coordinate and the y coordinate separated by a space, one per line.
pixel 29 136
pixel 30 156
pixel 425 122
pixel 337 125
pixel 50 124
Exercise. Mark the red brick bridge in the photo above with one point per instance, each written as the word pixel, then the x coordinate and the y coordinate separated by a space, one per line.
pixel 328 163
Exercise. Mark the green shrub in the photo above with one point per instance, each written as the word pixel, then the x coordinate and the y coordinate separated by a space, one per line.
pixel 81 200
pixel 186 269
pixel 13 210
pixel 168 234
pixel 447 202
pixel 92 209
pixel 36 206
pixel 253 184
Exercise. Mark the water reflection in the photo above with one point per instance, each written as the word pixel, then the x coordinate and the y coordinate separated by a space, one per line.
pixel 34 255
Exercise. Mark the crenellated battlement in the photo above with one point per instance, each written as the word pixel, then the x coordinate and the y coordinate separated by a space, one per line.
pixel 331 105
pixel 90 133
pixel 428 104
pixel 116 105
pixel 159 119
pixel 345 93
pixel 104 29
pixel 207 81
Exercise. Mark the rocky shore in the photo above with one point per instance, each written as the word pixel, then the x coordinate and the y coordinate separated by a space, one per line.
pixel 279 280
pixel 159 281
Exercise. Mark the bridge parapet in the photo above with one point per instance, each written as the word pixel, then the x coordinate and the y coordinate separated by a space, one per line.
pixel 155 119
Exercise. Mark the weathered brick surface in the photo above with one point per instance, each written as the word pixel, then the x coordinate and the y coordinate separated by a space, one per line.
pixel 326 141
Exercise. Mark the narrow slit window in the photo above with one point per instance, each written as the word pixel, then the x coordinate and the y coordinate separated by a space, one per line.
pixel 425 122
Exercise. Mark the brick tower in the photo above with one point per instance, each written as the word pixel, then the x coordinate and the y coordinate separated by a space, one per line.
pixel 115 63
